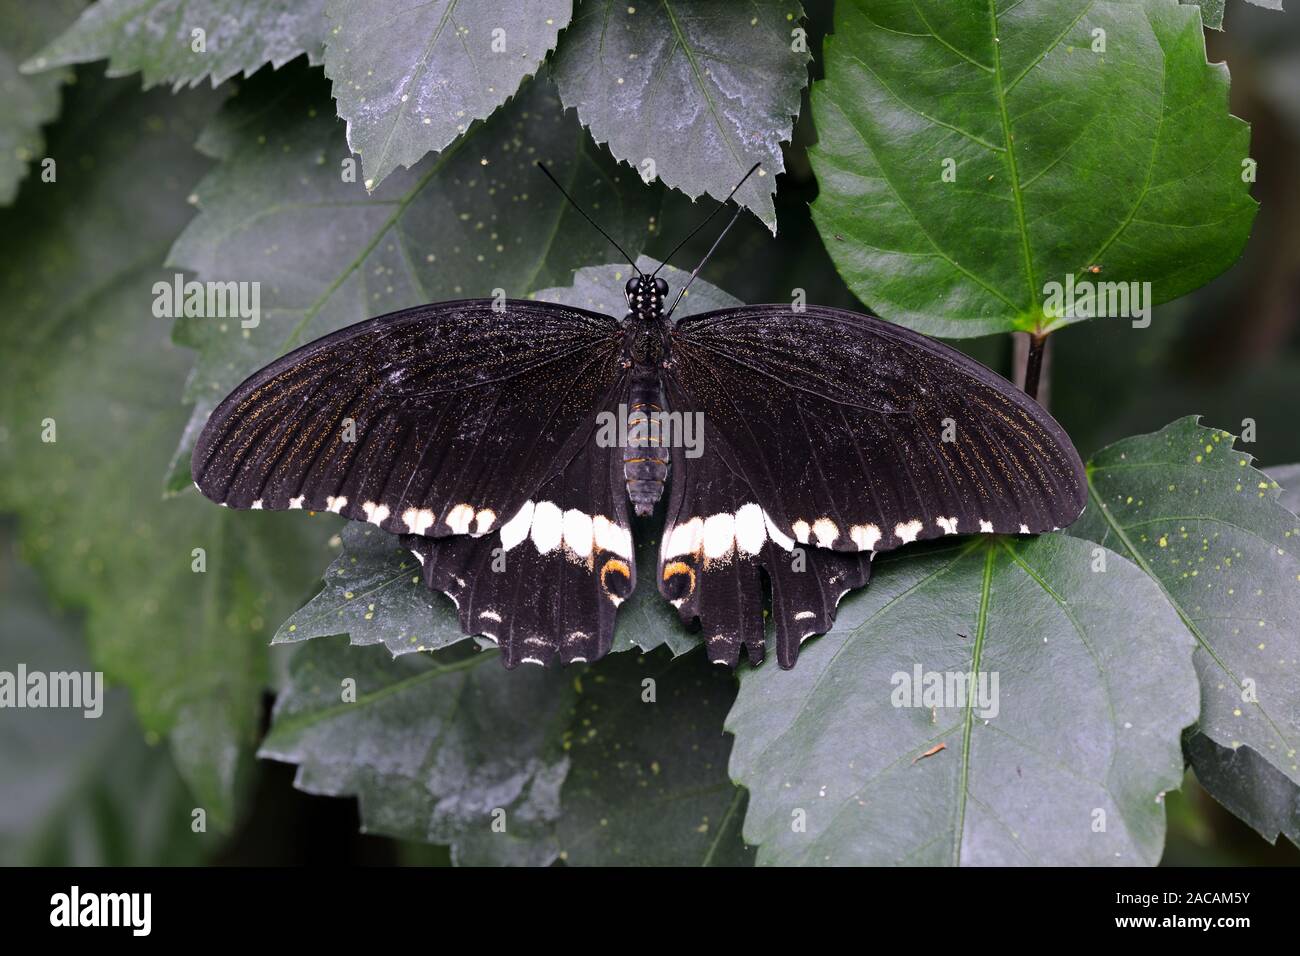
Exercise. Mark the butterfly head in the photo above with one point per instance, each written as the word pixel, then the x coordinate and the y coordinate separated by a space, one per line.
pixel 645 296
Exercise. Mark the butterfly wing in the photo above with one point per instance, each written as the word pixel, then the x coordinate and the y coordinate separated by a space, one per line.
pixel 548 586
pixel 842 436
pixel 438 420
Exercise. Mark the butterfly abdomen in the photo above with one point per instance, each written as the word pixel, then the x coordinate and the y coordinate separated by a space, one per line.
pixel 645 458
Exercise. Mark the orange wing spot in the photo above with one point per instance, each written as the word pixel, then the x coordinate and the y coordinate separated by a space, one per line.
pixel 672 573
pixel 620 586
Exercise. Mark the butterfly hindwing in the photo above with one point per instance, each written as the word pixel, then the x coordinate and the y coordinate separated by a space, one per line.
pixel 436 421
pixel 717 546
pixel 546 585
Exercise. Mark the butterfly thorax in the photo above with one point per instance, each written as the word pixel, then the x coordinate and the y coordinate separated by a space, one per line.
pixel 646 342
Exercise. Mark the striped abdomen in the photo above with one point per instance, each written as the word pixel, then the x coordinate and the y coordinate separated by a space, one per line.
pixel 645 459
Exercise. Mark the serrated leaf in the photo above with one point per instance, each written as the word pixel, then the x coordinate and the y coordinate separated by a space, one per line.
pixel 647 782
pixel 373 590
pixel 410 78
pixel 374 593
pixel 1288 477
pixel 78 790
pixel 1249 786
pixel 96 365
pixel 157 38
pixel 700 91
pixel 478 217
pixel 1241 780
pixel 27 102
pixel 441 747
pixel 430 747
pixel 968 158
pixel 1212 10
pixel 1208 528
pixel 1064 763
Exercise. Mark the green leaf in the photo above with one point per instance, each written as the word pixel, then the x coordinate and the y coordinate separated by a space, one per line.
pixel 85 356
pixel 689 92
pixel 76 790
pixel 410 78
pixel 374 593
pixel 1212 10
pixel 1288 476
pixel 156 38
pixel 647 782
pixel 1241 780
pixel 1065 159
pixel 1249 786
pixel 27 102
pixel 1095 683
pixel 440 747
pixel 475 218
pixel 430 747
pixel 1208 528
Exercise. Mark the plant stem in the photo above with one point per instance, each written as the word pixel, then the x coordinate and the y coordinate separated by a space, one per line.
pixel 1034 364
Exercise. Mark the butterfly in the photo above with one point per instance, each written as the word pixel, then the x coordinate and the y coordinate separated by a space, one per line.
pixel 508 443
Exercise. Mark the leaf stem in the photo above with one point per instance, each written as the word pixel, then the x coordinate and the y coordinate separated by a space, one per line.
pixel 1034 364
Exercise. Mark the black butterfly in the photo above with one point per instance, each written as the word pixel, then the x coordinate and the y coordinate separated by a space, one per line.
pixel 477 430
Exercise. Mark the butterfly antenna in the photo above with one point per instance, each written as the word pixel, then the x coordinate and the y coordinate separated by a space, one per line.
pixel 713 248
pixel 564 193
pixel 717 209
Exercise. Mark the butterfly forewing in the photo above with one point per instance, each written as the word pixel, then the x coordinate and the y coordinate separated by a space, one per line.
pixel 860 435
pixel 438 420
